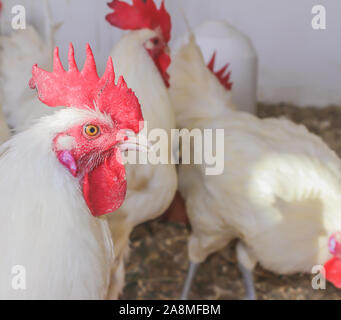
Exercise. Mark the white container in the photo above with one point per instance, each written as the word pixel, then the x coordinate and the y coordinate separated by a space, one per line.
pixel 234 48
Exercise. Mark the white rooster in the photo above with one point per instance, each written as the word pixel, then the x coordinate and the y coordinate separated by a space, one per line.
pixel 57 176
pixel 280 192
pixel 141 56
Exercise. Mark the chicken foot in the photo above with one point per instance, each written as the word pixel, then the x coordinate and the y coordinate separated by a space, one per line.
pixel 246 264
pixel 193 267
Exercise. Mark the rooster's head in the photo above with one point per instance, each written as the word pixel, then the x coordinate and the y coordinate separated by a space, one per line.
pixel 100 115
pixel 143 14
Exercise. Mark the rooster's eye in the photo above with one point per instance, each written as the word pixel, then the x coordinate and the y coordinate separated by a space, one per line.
pixel 91 130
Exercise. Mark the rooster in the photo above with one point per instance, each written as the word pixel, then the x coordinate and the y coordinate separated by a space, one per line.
pixel 141 56
pixel 279 193
pixel 58 176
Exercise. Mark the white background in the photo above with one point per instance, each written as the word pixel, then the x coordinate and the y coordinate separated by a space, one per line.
pixel 296 63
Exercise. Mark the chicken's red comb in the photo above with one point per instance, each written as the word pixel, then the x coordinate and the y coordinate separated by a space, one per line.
pixel 141 14
pixel 84 89
pixel 223 78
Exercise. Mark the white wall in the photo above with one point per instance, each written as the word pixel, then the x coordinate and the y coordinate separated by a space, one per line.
pixel 296 63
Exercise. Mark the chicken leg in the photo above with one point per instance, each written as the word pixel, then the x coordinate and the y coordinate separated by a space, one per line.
pixel 246 264
pixel 193 267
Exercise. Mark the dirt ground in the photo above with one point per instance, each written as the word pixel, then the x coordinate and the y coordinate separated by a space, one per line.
pixel 158 263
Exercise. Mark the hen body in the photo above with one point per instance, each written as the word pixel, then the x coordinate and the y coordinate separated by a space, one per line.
pixel 280 189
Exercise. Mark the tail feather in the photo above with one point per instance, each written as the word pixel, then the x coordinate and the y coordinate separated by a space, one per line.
pixel 194 89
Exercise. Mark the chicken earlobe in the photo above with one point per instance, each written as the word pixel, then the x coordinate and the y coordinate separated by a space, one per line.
pixel 67 160
pixel 104 187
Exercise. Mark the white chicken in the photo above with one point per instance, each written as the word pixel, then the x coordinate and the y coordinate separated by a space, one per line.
pixel 19 50
pixel 280 191
pixel 141 56
pixel 4 129
pixel 18 53
pixel 57 176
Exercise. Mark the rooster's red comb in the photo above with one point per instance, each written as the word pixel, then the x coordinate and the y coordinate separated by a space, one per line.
pixel 223 78
pixel 141 14
pixel 84 89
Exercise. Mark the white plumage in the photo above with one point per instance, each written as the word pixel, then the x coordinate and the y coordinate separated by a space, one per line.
pixel 46 226
pixel 19 51
pixel 236 49
pixel 151 188
pixel 280 192
pixel 4 130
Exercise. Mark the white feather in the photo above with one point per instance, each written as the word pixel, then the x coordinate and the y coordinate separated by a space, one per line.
pixel 19 52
